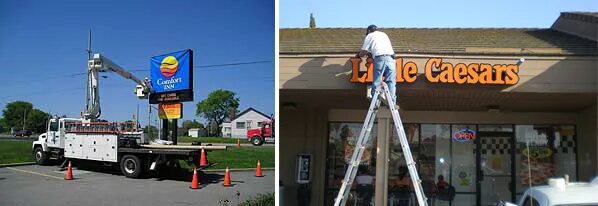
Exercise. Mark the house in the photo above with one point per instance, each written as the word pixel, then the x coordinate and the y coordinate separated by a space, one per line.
pixel 226 129
pixel 248 119
pixel 197 132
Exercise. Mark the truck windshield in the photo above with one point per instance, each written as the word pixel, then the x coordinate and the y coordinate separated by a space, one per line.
pixel 53 126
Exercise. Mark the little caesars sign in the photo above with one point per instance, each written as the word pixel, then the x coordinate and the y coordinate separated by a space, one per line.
pixel 437 71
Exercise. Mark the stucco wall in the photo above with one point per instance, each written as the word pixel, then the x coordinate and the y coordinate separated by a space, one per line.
pixel 576 27
pixel 303 130
pixel 537 74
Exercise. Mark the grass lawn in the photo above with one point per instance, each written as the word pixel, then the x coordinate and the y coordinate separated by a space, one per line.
pixel 15 151
pixel 204 140
pixel 244 157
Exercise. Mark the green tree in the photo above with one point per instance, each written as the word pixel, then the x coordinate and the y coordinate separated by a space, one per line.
pixel 216 108
pixel 2 129
pixel 312 21
pixel 36 120
pixel 14 113
pixel 188 124
pixel 151 131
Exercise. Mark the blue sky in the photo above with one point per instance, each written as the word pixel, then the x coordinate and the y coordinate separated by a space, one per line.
pixel 426 14
pixel 43 42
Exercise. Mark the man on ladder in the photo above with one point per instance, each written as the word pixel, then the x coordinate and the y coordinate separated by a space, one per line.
pixel 378 44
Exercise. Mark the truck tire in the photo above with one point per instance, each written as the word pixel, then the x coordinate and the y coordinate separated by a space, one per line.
pixel 131 166
pixel 257 141
pixel 41 158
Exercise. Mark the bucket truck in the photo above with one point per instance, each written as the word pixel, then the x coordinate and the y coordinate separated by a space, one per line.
pixel 88 138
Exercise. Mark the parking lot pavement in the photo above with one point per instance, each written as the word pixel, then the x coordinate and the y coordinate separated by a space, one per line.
pixel 44 185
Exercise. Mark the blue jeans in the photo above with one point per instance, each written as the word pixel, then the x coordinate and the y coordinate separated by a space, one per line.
pixel 385 66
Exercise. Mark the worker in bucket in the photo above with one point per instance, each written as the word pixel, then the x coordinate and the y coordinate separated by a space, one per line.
pixel 378 45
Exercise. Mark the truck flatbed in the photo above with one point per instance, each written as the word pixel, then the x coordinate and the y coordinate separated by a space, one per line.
pixel 184 152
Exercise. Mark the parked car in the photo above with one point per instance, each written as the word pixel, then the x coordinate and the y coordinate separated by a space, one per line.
pixel 23 133
pixel 559 192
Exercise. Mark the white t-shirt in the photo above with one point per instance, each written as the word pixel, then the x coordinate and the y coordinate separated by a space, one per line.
pixel 377 43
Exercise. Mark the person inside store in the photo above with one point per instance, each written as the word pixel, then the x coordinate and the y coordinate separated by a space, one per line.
pixel 365 185
pixel 379 46
pixel 404 186
pixel 441 184
pixel 445 190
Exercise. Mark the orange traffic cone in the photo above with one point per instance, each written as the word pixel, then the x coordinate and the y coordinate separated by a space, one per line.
pixel 69 172
pixel 227 178
pixel 195 181
pixel 203 161
pixel 238 143
pixel 258 170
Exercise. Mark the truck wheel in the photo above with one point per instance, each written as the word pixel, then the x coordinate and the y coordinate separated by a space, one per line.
pixel 41 158
pixel 131 166
pixel 256 141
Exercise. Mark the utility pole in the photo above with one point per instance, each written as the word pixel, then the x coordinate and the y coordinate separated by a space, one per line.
pixel 137 126
pixel 88 71
pixel 149 120
pixel 24 116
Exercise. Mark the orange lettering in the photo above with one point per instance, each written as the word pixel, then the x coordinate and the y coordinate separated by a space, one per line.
pixel 499 70
pixel 370 65
pixel 446 74
pixel 472 71
pixel 512 77
pixel 460 73
pixel 485 74
pixel 410 72
pixel 428 70
pixel 355 64
pixel 400 70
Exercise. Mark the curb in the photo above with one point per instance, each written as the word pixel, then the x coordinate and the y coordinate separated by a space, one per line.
pixel 17 164
pixel 237 169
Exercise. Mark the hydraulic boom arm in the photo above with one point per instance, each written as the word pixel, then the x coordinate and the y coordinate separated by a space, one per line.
pixel 99 64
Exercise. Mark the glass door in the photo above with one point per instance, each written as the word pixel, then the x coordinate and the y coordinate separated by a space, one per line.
pixel 494 165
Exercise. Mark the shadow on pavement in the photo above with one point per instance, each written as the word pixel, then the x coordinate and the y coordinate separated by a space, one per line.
pixel 164 173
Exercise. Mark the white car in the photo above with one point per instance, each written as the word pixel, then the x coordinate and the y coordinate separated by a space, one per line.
pixel 560 193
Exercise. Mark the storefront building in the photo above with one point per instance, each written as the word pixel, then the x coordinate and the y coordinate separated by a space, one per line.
pixel 489 111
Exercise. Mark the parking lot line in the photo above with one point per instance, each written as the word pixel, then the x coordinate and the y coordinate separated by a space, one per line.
pixel 35 173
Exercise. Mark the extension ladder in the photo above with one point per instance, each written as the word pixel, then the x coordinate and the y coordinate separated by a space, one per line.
pixel 364 136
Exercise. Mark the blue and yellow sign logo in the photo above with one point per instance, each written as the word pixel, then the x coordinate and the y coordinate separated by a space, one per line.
pixel 169 66
pixel 172 72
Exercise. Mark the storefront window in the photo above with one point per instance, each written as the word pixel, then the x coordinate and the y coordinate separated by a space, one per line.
pixel 551 150
pixel 435 144
pixel 446 157
pixel 463 165
pixel 341 143
pixel 400 188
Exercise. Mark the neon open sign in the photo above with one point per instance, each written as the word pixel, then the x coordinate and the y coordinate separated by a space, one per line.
pixel 464 135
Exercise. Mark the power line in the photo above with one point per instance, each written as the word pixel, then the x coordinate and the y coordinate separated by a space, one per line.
pixel 139 70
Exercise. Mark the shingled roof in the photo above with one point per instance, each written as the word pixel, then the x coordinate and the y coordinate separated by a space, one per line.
pixel 439 41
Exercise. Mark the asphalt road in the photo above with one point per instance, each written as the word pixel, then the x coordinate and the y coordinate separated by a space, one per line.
pixel 8 137
pixel 44 185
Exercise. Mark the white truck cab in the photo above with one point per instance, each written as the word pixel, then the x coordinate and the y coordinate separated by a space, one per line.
pixel 50 144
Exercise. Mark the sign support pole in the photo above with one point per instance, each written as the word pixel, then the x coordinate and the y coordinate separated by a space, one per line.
pixel 164 129
pixel 174 131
